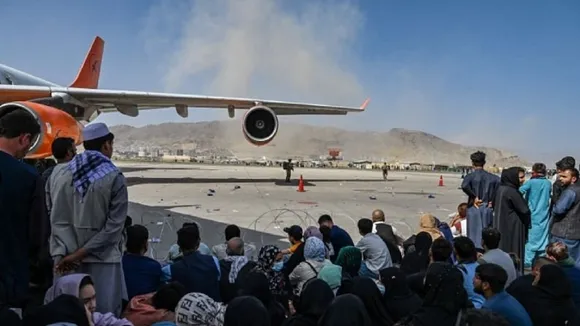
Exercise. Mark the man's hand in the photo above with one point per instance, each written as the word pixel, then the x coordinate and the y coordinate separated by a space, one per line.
pixel 71 262
pixel 477 202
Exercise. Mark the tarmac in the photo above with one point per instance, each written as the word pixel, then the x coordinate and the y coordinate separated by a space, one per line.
pixel 164 196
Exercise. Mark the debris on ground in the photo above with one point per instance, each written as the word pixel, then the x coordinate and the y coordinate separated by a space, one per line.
pixel 372 197
pixel 431 196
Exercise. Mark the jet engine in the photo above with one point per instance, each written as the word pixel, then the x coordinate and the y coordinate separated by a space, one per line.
pixel 54 123
pixel 260 125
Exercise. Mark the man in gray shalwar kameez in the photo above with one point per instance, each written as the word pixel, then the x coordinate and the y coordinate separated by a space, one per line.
pixel 88 201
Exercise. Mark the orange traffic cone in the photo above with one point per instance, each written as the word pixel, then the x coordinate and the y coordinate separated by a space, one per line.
pixel 300 185
pixel 441 181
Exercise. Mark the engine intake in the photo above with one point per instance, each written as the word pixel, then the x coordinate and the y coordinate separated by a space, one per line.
pixel 260 125
pixel 54 123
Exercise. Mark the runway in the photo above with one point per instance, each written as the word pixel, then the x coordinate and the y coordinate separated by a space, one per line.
pixel 164 196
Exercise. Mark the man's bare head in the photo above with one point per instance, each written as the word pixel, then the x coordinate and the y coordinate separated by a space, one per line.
pixel 378 216
pixel 235 247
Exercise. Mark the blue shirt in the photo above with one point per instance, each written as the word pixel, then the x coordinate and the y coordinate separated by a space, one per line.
pixel 339 239
pixel 509 308
pixel 565 202
pixel 468 271
pixel 166 271
pixel 142 274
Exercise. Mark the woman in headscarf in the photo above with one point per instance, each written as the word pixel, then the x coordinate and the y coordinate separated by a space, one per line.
pixel 314 260
pixel 548 299
pixel 445 298
pixel 271 265
pixel 428 224
pixel 197 309
pixel 314 300
pixel 82 287
pixel 511 214
pixel 400 301
pixel 312 231
pixel 418 260
pixel 64 308
pixel 346 310
pixel 350 259
pixel 246 311
pixel 256 284
pixel 366 289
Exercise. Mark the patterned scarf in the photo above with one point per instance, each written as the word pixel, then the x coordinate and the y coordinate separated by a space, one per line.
pixel 88 167
pixel 266 259
pixel 238 262
pixel 314 249
pixel 197 309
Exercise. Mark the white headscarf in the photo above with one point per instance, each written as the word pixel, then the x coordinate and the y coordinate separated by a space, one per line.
pixel 197 309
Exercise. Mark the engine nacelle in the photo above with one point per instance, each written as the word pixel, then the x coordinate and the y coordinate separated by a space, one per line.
pixel 260 125
pixel 54 123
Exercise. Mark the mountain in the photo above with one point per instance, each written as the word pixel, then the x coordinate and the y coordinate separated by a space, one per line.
pixel 300 140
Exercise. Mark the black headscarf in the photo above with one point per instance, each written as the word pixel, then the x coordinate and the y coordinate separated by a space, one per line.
pixel 399 299
pixel 256 284
pixel 549 302
pixel 445 296
pixel 246 311
pixel 314 300
pixel 345 310
pixel 418 260
pixel 367 290
pixel 511 177
pixel 554 281
pixel 64 309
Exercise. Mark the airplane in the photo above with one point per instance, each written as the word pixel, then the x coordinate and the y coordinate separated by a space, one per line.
pixel 63 111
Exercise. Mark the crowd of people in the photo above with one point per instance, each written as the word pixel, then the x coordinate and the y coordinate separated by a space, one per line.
pixel 70 255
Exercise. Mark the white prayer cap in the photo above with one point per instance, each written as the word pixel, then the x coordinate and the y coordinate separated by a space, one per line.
pixel 95 130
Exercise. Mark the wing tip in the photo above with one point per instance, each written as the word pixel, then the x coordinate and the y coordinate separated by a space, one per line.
pixel 363 107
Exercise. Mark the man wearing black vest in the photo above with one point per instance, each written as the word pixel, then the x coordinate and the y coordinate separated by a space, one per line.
pixel 388 234
pixel 196 271
pixel 566 214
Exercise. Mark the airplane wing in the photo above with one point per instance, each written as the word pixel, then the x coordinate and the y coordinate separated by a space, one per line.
pixel 131 102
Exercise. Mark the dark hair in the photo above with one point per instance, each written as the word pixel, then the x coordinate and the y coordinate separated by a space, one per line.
pixel 188 237
pixel 61 146
pixel 325 230
pixel 491 238
pixel 324 218
pixel 168 296
pixel 87 280
pixel 482 317
pixel 558 250
pixel 97 144
pixel 478 159
pixel 186 224
pixel 539 168
pixel 232 231
pixel 441 250
pixel 17 122
pixel 461 206
pixel 137 237
pixel 464 248
pixel 365 225
pixel 493 274
pixel 566 163
pixel 573 172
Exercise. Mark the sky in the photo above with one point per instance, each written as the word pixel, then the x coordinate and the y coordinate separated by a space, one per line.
pixel 497 73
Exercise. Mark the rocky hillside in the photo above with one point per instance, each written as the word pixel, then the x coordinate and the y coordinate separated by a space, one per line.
pixel 298 140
